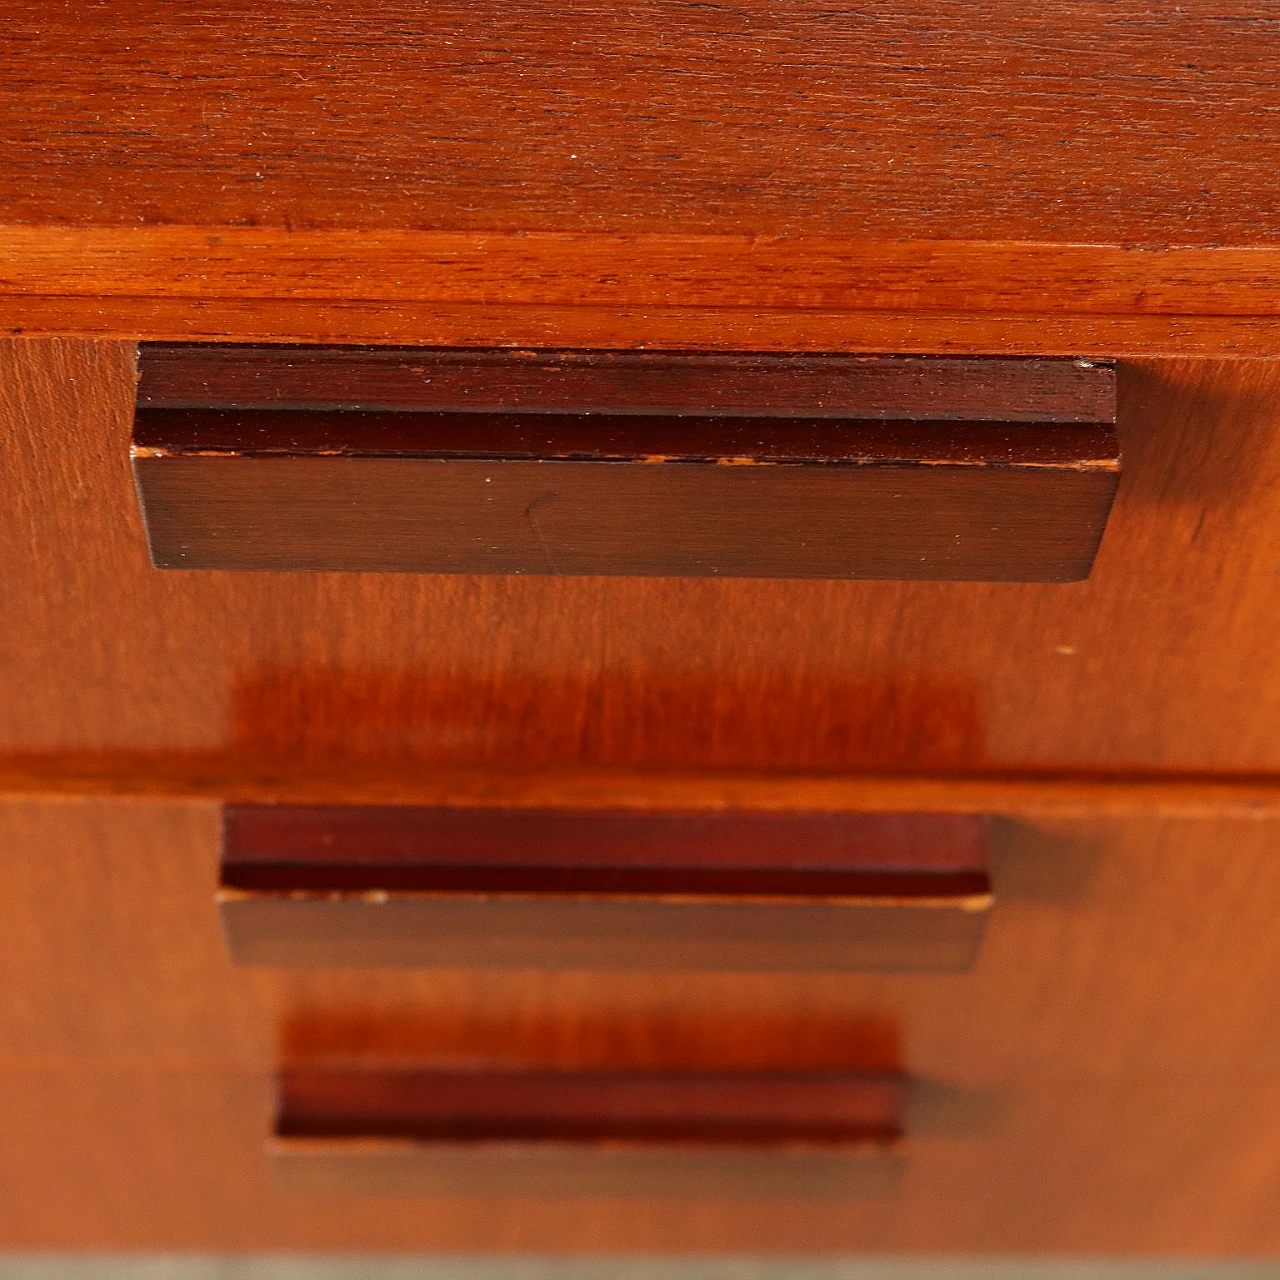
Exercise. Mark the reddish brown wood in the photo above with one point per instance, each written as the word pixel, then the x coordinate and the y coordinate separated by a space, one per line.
pixel 312 843
pixel 744 488
pixel 1118 1023
pixel 729 293
pixel 759 175
pixel 1005 331
pixel 599 1133
pixel 672 1107
pixel 174 1162
pixel 391 688
pixel 193 376
pixel 346 1170
pixel 215 778
pixel 167 434
pixel 406 888
pixel 1115 122
pixel 648 519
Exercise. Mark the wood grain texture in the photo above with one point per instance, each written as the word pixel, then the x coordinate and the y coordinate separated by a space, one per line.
pixel 1104 1079
pixel 729 292
pixel 706 466
pixel 213 777
pixel 918 389
pixel 177 1162
pixel 1090 178
pixel 1108 123
pixel 288 683
pixel 628 272
pixel 662 1108
pixel 288 320
pixel 678 517
pixel 417 888
pixel 657 1135
pixel 1123 948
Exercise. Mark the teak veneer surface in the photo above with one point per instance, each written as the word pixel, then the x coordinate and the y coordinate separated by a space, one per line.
pixel 551 289
pixel 1119 948
pixel 1067 178
pixel 1164 660
pixel 1094 122
pixel 176 1163
pixel 1104 1080
pixel 665 1135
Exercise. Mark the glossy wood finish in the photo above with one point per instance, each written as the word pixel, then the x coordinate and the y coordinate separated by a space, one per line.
pixel 759 178
pixel 107 1143
pixel 659 1135
pixel 589 1108
pixel 791 180
pixel 1134 948
pixel 625 464
pixel 917 389
pixel 278 175
pixel 688 515
pixel 406 888
pixel 369 847
pixel 214 778
pixel 328 206
pixel 1103 1080
pixel 900 122
pixel 732 292
pixel 289 684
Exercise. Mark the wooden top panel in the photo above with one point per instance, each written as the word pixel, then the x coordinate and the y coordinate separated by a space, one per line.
pixel 1097 121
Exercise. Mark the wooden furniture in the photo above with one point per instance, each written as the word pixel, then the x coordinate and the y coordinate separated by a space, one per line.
pixel 1090 183
pixel 663 1134
pixel 1102 1066
pixel 579 889
pixel 571 463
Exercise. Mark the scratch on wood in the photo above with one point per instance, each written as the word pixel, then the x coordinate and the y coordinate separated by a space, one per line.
pixel 531 515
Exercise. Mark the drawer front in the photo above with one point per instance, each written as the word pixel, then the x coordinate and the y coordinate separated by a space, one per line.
pixel 1117 948
pixel 123 668
pixel 1056 1167
pixel 1105 1068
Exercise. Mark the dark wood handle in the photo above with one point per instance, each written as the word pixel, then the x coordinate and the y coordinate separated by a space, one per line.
pixel 586 1132
pixel 406 887
pixel 624 463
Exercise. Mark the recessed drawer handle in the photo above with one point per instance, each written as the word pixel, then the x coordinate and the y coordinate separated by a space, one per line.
pixel 406 887
pixel 592 1133
pixel 625 463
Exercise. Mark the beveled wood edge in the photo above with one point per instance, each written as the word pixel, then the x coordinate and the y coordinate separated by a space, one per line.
pixel 763 329
pixel 266 264
pixel 217 779
pixel 438 288
pixel 967 903
pixel 293 1147
pixel 1110 465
